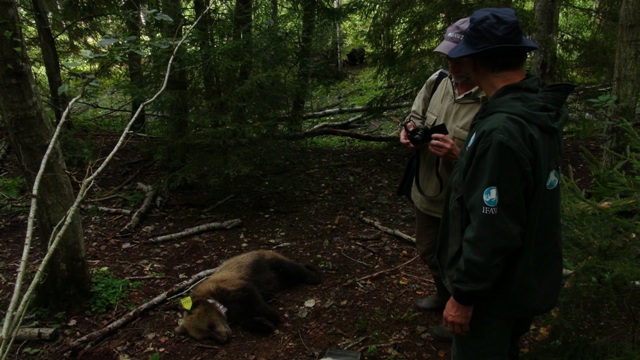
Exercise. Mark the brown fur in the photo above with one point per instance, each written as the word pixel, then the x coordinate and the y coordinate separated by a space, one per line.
pixel 242 284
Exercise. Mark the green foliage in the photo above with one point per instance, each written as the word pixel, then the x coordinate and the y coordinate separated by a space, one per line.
pixel 30 351
pixel 598 314
pixel 107 291
pixel 12 188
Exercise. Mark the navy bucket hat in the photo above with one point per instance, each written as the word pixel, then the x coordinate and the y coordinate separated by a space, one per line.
pixel 492 28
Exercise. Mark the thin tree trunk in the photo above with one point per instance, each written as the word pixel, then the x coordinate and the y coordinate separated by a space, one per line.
pixel 177 86
pixel 626 87
pixel 242 36
pixel 50 58
pixel 30 132
pixel 545 34
pixel 304 62
pixel 134 60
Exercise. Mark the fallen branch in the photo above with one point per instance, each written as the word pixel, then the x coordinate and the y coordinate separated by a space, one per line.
pixel 229 224
pixel 345 133
pixel 90 339
pixel 150 194
pixel 338 124
pixel 107 210
pixel 32 334
pixel 395 233
pixel 355 109
pixel 383 271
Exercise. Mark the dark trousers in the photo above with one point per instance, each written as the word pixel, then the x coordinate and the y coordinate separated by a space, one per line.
pixel 490 338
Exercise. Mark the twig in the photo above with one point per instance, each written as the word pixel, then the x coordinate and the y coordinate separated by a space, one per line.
pixel 396 233
pixel 229 224
pixel 352 259
pixel 382 271
pixel 92 338
pixel 358 341
pixel 218 203
pixel 108 195
pixel 379 345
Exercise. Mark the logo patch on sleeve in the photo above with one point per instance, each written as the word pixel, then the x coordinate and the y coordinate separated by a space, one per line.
pixel 553 180
pixel 490 198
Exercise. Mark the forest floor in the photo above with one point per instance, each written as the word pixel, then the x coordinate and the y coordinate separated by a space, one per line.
pixel 310 210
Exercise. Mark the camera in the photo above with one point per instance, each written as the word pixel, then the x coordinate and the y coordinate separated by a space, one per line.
pixel 421 135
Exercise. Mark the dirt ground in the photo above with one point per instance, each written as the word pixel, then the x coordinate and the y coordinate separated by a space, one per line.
pixel 310 210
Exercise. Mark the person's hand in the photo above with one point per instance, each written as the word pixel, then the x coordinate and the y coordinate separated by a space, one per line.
pixel 444 147
pixel 404 139
pixel 456 317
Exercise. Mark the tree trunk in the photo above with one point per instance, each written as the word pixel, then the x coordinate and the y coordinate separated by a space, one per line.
pixel 242 34
pixel 50 58
pixel 304 62
pixel 626 87
pixel 67 279
pixel 546 34
pixel 134 60
pixel 206 42
pixel 177 87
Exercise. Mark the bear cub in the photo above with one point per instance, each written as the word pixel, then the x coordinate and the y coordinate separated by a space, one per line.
pixel 237 291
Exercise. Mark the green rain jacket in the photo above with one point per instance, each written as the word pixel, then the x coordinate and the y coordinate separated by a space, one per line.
pixel 500 245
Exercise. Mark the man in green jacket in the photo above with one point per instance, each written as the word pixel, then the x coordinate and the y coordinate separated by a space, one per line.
pixel 451 100
pixel 500 250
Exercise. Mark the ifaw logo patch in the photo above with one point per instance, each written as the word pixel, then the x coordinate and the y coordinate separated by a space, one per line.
pixel 490 198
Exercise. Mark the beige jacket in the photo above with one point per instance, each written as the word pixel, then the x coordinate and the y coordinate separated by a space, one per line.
pixel 456 112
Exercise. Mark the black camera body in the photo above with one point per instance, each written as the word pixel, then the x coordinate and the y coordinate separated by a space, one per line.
pixel 421 135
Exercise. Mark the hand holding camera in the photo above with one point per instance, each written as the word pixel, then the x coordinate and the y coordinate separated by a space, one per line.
pixel 421 135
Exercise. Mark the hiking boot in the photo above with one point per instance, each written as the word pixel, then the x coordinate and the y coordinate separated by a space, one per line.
pixel 435 302
pixel 441 333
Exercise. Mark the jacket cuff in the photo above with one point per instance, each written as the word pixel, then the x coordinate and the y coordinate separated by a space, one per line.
pixel 462 298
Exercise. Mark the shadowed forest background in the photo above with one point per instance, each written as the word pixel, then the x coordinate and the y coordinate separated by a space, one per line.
pixel 166 115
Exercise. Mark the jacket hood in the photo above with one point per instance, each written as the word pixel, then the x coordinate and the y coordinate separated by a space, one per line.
pixel 534 101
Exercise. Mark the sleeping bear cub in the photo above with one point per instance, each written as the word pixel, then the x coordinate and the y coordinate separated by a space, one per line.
pixel 237 291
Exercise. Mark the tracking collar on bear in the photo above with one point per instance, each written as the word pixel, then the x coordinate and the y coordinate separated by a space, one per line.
pixel 187 303
pixel 215 302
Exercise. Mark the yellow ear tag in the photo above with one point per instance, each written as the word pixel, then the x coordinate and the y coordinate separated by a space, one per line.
pixel 186 303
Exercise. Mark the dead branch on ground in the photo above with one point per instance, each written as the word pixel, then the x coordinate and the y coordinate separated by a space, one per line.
pixel 90 339
pixel 107 210
pixel 355 109
pixel 229 224
pixel 32 334
pixel 150 195
pixel 345 133
pixel 338 124
pixel 393 232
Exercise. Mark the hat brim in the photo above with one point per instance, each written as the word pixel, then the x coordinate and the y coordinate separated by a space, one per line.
pixel 463 50
pixel 444 47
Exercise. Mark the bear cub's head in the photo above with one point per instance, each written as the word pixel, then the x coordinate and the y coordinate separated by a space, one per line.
pixel 206 320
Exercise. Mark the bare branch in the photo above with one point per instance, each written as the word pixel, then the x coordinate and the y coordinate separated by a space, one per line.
pixel 229 224
pixel 95 336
